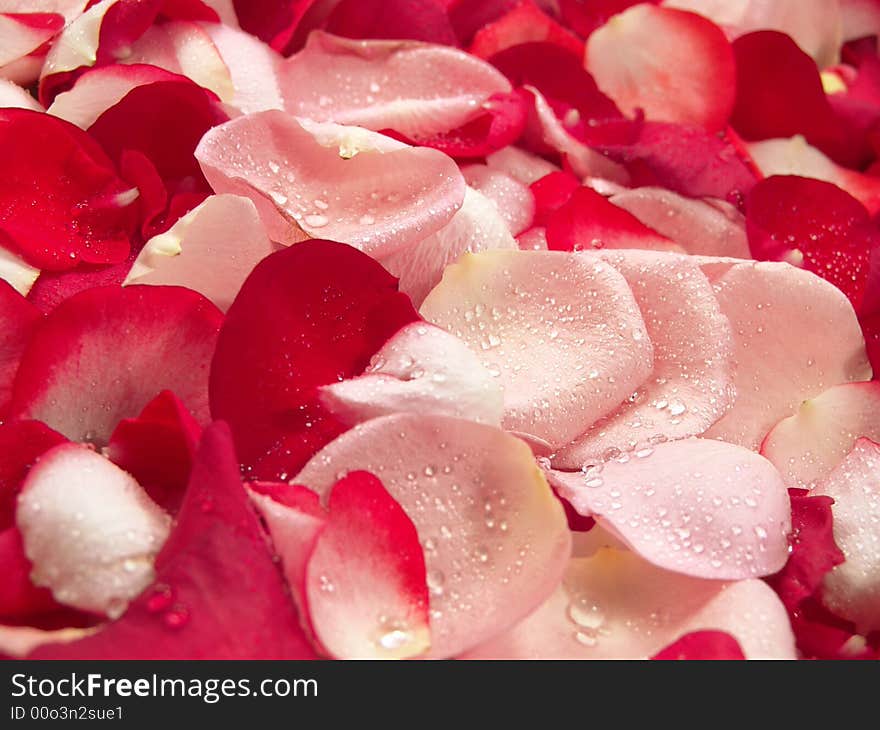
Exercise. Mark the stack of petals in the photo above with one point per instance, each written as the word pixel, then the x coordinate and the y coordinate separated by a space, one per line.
pixel 439 329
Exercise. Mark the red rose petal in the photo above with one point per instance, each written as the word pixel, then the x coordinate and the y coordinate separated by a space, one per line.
pixel 332 309
pixel 551 192
pixel 806 446
pixel 646 499
pixel 585 16
pixel 702 646
pixel 105 353
pixel 364 585
pixel 677 67
pixel 158 449
pixel 417 20
pixel 589 221
pixel 19 320
pixel 524 23
pixel 786 97
pixel 62 201
pixel 218 594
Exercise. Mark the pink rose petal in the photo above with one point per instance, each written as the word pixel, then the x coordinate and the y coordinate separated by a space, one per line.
pixel 852 589
pixel 421 369
pixel 616 606
pixel 709 227
pixel 691 385
pixel 495 537
pixel 678 66
pixel 563 333
pixel 102 355
pixel 738 528
pixel 12 95
pixel 211 250
pixel 416 89
pixel 324 180
pixel 795 335
pixel 514 201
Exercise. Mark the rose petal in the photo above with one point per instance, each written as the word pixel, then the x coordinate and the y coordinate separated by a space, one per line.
pixel 332 308
pixel 476 226
pixel 514 201
pixel 815 225
pixel 19 320
pixel 211 250
pixel 413 88
pixel 691 385
pixel 12 95
pixel 587 220
pixel 218 594
pixel 702 646
pixel 520 165
pixel 563 333
pixel 495 539
pixel 646 499
pixel 418 20
pixel 794 156
pixel 794 335
pixel 616 606
pixel 585 16
pixel 708 227
pixel 421 369
pixel 364 583
pixel 806 447
pixel 852 589
pixel 254 68
pixel 158 449
pixel 102 355
pixel 62 199
pixel 815 25
pixel 23 33
pixel 90 530
pixel 678 67
pixel 297 172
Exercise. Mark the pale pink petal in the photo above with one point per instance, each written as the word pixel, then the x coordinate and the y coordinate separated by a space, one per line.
pixel 24 71
pixel 562 332
pixel 677 66
pixel 710 228
pixel 513 199
pixel 815 25
pixel 807 446
pixel 695 506
pixel 795 335
pixel 616 606
pixel 187 49
pixel 416 89
pixel 78 43
pixel 90 530
pixel 852 589
pixel 211 250
pixel 19 274
pixel 495 538
pixel 329 181
pixel 520 165
pixel 69 9
pixel 12 95
pixel 19 641
pixel 794 156
pixel 476 226
pixel 534 239
pixel 99 89
pixel 253 68
pixel 545 128
pixel 423 370
pixel 691 385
